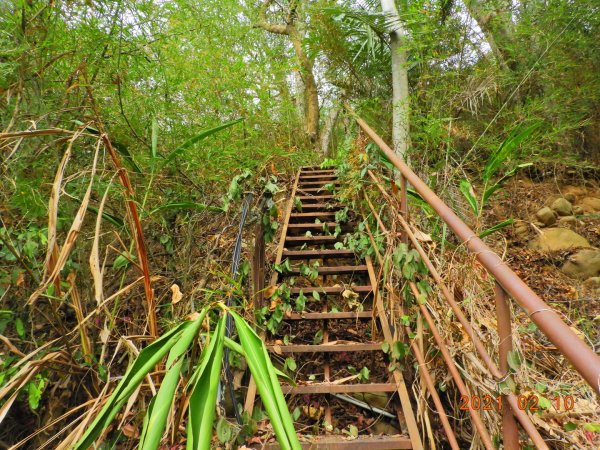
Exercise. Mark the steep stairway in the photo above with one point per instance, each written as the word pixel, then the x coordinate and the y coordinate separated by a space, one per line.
pixel 345 396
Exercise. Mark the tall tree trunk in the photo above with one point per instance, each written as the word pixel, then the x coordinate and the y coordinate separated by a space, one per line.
pixel 400 92
pixel 495 20
pixel 328 127
pixel 299 95
pixel 311 94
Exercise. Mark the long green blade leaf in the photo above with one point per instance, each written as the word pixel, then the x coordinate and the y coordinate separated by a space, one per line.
pixel 496 227
pixel 196 138
pixel 504 151
pixel 143 364
pixel 127 156
pixel 204 393
pixel 158 411
pixel 467 190
pixel 267 384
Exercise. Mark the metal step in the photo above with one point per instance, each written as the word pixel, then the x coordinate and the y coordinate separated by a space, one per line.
pixel 313 189
pixel 317 176
pixel 332 270
pixel 306 207
pixel 311 216
pixel 330 315
pixel 331 388
pixel 320 198
pixel 304 227
pixel 318 254
pixel 297 241
pixel 325 348
pixel 343 443
pixel 307 184
pixel 332 290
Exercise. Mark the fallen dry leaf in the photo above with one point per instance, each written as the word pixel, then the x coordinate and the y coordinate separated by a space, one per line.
pixel 177 295
pixel 270 291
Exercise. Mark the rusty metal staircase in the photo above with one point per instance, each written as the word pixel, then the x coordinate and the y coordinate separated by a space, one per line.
pixel 342 329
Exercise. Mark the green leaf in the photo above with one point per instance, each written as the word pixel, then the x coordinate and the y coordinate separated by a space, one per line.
pixel 224 431
pixel 34 391
pixel 543 402
pixel 122 260
pixel 316 295
pixel 467 190
pixel 364 373
pixel 20 327
pixel 318 338
pixel 385 347
pixel 496 227
pixel 203 134
pixel 296 414
pixel 570 426
pixel 290 363
pixel 593 427
pixel 353 431
pixel 116 221
pixel 514 360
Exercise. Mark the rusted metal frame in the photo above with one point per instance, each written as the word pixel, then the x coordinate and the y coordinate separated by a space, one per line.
pixel 258 261
pixel 409 416
pixel 510 430
pixel 251 394
pixel 423 365
pixel 462 388
pixel 342 443
pixel 475 417
pixel 583 358
pixel 523 418
pixel 326 367
pixel 450 299
pixel 512 407
pixel 526 423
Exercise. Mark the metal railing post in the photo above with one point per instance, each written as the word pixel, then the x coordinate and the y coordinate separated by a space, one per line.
pixel 510 431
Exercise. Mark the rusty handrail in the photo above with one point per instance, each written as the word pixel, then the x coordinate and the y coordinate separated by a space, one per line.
pixel 583 358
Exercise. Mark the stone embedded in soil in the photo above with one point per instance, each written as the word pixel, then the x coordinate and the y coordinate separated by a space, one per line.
pixel 378 399
pixel 583 264
pixel 593 284
pixel 383 427
pixel 546 216
pixel 567 219
pixel 556 239
pixel 590 204
pixel 521 230
pixel 562 206
pixel 570 197
pixel 578 210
